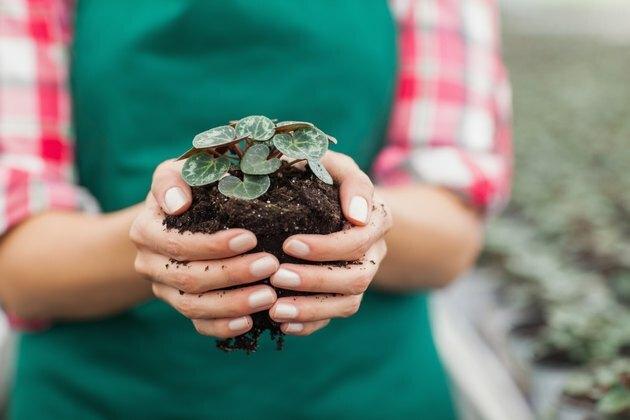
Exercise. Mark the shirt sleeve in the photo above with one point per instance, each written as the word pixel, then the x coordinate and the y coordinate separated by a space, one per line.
pixel 36 149
pixel 451 118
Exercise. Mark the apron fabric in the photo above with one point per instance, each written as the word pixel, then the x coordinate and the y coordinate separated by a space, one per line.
pixel 147 76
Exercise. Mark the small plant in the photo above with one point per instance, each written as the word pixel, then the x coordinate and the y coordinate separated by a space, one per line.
pixel 254 146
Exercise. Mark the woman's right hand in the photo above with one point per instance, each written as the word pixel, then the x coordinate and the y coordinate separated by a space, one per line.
pixel 212 262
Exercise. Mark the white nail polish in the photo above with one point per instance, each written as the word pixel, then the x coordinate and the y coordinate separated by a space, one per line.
pixel 294 327
pixel 174 199
pixel 263 267
pixel 298 248
pixel 285 311
pixel 261 298
pixel 358 209
pixel 242 242
pixel 238 324
pixel 285 278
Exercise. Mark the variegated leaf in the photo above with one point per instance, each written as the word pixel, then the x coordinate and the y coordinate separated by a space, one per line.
pixel 255 161
pixel 251 187
pixel 202 169
pixel 217 136
pixel 255 127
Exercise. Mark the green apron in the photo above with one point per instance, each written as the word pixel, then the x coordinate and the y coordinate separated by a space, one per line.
pixel 147 75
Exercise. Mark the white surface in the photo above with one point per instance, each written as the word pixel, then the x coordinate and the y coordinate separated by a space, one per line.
pixel 5 357
pixel 481 379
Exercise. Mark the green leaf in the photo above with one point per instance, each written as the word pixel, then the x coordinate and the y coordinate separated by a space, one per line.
pixel 255 127
pixel 217 136
pixel 320 171
pixel 252 186
pixel 284 126
pixel 202 169
pixel 306 143
pixel 616 401
pixel 255 161
pixel 331 139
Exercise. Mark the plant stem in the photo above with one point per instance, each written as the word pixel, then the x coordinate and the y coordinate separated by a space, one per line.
pixel 234 147
pixel 275 154
pixel 293 162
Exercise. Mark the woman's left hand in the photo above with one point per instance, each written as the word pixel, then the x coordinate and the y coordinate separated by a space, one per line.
pixel 339 288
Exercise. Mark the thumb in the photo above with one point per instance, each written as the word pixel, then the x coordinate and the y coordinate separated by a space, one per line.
pixel 169 189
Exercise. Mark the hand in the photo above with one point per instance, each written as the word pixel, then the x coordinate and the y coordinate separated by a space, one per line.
pixel 340 289
pixel 211 262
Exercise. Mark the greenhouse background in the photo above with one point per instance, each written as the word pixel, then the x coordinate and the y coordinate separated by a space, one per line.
pixel 542 328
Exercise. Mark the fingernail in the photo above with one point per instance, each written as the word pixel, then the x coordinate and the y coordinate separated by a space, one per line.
pixel 358 209
pixel 238 324
pixel 294 327
pixel 261 298
pixel 264 266
pixel 285 278
pixel 298 248
pixel 285 311
pixel 174 199
pixel 242 242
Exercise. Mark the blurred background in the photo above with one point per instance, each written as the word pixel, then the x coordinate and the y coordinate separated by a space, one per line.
pixel 542 328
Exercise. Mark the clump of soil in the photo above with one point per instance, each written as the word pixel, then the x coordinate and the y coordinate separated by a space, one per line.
pixel 296 202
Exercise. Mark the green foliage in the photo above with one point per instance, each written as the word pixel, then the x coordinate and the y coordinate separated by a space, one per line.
pixel 564 243
pixel 305 143
pixel 606 385
pixel 255 161
pixel 252 186
pixel 251 149
pixel 201 169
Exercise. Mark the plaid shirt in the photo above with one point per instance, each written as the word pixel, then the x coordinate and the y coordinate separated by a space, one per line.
pixel 450 122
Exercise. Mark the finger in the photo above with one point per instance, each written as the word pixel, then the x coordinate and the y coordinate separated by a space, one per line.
pixel 203 276
pixel 223 328
pixel 303 328
pixel 355 187
pixel 217 304
pixel 346 245
pixel 169 189
pixel 314 307
pixel 351 279
pixel 148 232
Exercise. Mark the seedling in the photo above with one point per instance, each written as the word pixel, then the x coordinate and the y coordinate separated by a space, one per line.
pixel 240 156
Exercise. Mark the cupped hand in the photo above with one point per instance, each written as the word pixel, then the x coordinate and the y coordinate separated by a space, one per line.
pixel 189 270
pixel 339 288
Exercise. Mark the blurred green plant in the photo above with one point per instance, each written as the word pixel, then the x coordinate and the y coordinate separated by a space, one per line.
pixel 564 243
pixel 606 386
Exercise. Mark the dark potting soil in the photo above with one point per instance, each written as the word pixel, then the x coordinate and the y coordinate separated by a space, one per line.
pixel 296 202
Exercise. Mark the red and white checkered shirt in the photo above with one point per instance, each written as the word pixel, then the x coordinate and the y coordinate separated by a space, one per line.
pixel 450 124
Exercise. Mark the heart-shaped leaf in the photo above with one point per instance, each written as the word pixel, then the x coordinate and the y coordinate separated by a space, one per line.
pixel 255 161
pixel 255 127
pixel 217 136
pixel 284 126
pixel 305 143
pixel 252 186
pixel 320 171
pixel 202 169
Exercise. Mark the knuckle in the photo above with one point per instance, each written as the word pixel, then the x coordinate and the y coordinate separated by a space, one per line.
pixel 135 232
pixel 140 266
pixel 174 248
pixel 351 307
pixel 186 282
pixel 360 283
pixel 188 307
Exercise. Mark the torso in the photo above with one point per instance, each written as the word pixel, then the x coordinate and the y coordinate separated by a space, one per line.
pixel 147 76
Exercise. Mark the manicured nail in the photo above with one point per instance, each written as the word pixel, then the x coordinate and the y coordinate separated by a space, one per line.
pixel 297 248
pixel 285 278
pixel 238 324
pixel 263 267
pixel 294 327
pixel 261 298
pixel 174 199
pixel 242 242
pixel 285 311
pixel 358 209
